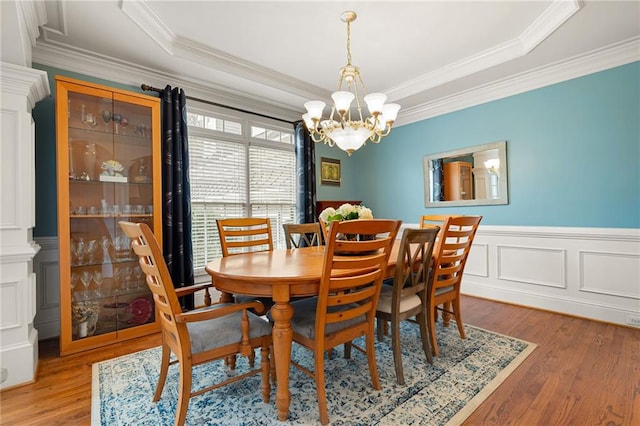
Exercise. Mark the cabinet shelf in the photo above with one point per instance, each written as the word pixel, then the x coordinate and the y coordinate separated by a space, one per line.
pixel 104 216
pixel 103 294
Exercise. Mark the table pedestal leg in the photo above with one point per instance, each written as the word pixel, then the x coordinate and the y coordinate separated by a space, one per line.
pixel 226 297
pixel 282 338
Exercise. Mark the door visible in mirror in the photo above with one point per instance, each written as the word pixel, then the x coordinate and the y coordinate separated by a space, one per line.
pixel 470 176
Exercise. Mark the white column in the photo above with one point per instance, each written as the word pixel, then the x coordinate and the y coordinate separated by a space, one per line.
pixel 20 88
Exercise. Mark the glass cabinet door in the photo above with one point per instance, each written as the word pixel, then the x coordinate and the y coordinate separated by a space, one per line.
pixel 111 175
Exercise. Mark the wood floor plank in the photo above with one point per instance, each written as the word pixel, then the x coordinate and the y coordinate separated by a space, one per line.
pixel 582 373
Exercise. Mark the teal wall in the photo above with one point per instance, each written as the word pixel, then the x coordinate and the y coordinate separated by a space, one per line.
pixel 573 152
pixel 349 174
pixel 45 147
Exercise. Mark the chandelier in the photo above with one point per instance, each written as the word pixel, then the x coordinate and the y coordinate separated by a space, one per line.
pixel 346 127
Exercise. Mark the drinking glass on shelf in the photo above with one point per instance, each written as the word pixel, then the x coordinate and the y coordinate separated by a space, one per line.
pixel 107 246
pixel 140 283
pixel 73 250
pixel 92 251
pixel 127 275
pixel 85 279
pixel 75 279
pixel 88 118
pixel 123 247
pixel 117 279
pixel 81 251
pixel 98 279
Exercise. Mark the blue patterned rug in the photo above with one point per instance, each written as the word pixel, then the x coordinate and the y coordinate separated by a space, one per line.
pixel 447 392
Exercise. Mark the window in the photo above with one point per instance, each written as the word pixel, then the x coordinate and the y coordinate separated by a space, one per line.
pixel 239 166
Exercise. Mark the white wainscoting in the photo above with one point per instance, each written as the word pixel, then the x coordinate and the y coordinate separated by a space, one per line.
pixel 587 272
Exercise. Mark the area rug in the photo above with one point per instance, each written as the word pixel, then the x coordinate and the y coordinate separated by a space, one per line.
pixel 445 392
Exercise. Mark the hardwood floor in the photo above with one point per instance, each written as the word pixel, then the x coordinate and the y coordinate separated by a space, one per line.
pixel 582 373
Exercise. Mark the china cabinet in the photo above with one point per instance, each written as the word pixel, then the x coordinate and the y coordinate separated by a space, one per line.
pixel 108 170
pixel 457 181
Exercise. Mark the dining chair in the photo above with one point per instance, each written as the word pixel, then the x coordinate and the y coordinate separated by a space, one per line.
pixel 345 307
pixel 441 221
pixel 408 296
pixel 199 336
pixel 302 234
pixel 244 234
pixel 450 258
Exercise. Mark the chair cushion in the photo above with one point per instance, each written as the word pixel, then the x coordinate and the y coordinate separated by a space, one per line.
pixel 443 290
pixel 304 317
pixel 218 332
pixel 386 297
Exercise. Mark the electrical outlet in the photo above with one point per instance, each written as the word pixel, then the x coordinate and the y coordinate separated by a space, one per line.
pixel 633 320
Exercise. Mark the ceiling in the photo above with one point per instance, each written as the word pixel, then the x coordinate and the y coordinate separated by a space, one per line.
pixel 428 56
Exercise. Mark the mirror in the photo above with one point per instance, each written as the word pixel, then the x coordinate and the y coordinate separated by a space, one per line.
pixel 473 176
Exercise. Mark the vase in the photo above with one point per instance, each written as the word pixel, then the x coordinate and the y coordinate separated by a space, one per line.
pixel 90 158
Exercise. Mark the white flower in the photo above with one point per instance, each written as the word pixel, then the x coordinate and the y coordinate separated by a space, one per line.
pixel 345 212
pixel 346 209
pixel 365 213
pixel 329 211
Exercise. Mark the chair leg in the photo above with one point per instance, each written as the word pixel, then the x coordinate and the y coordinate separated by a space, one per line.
pixel 320 385
pixel 265 367
pixel 458 315
pixel 184 393
pixel 397 353
pixel 347 350
pixel 371 358
pixel 164 368
pixel 380 328
pixel 424 336
pixel 432 330
pixel 231 361
pixel 252 359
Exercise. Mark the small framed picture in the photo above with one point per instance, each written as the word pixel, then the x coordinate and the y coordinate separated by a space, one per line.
pixel 329 171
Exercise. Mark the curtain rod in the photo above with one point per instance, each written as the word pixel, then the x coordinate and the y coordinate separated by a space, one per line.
pixel 148 88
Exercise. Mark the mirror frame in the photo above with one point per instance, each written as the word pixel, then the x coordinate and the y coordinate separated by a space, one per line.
pixel 503 185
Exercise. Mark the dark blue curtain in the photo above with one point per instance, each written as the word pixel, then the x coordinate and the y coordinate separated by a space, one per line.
pixel 176 191
pixel 305 175
pixel 438 180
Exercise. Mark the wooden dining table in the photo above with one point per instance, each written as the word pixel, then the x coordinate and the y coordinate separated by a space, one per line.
pixel 281 274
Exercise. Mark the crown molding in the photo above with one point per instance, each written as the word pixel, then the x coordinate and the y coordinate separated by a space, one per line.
pixel 23 81
pixel 181 47
pixel 144 17
pixel 598 60
pixel 551 19
pixel 34 14
pixel 116 70
pixel 61 56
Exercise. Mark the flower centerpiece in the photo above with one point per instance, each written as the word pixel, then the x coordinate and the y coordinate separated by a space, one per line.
pixel 344 212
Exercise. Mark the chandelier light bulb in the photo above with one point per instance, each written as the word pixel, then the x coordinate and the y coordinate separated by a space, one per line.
pixel 315 108
pixel 350 129
pixel 375 101
pixel 390 112
pixel 342 101
pixel 308 121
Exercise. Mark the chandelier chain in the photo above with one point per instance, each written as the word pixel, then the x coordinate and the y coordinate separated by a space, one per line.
pixel 348 42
